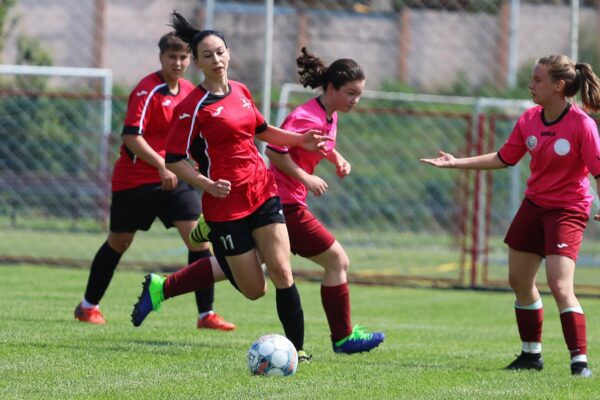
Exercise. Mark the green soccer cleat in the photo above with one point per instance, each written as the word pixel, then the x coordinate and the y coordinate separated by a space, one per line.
pixel 360 340
pixel 200 233
pixel 150 299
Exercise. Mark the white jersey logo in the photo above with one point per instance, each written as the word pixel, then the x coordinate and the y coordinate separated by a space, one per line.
pixel 167 102
pixel 141 93
pixel 562 147
pixel 531 142
pixel 562 245
pixel 245 102
pixel 184 115
pixel 218 112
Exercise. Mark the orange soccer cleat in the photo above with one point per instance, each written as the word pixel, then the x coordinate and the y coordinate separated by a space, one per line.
pixel 215 321
pixel 89 315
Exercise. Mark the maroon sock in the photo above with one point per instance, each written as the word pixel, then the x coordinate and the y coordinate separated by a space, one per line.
pixel 336 302
pixel 197 275
pixel 573 326
pixel 530 324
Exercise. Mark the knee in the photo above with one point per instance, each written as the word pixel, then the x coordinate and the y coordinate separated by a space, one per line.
pixel 255 293
pixel 119 244
pixel 560 289
pixel 281 275
pixel 518 285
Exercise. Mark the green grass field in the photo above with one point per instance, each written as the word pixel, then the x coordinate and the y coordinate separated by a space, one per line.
pixel 441 344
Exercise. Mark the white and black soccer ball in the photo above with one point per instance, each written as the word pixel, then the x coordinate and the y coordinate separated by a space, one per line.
pixel 272 355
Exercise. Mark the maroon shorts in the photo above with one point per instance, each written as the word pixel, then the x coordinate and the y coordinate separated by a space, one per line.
pixel 308 237
pixel 546 231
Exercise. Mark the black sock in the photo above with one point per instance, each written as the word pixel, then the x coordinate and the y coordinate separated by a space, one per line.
pixel 101 272
pixel 204 297
pixel 289 309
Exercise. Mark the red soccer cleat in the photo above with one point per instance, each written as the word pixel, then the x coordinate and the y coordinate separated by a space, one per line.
pixel 215 321
pixel 89 315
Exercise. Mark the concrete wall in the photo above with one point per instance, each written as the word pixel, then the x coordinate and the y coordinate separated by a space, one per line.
pixel 428 49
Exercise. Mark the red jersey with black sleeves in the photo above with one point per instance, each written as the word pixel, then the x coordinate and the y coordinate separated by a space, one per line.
pixel 563 154
pixel 218 131
pixel 149 113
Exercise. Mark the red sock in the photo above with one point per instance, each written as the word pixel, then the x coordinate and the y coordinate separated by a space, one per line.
pixel 573 326
pixel 197 275
pixel 530 324
pixel 336 302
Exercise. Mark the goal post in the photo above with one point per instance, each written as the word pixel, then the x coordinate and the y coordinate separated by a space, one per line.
pixel 104 74
pixel 413 126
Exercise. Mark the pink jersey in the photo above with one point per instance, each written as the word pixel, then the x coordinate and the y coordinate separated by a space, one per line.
pixel 563 153
pixel 310 115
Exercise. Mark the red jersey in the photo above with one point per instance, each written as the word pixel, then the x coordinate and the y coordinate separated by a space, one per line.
pixel 218 133
pixel 563 153
pixel 310 115
pixel 149 113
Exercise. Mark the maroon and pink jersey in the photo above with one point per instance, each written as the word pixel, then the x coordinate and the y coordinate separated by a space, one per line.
pixel 218 133
pixel 310 115
pixel 149 113
pixel 563 153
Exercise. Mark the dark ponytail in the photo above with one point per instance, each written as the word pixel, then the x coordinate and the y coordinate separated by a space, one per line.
pixel 314 73
pixel 191 35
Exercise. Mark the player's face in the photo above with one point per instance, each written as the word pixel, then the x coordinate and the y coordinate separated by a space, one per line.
pixel 213 58
pixel 541 87
pixel 347 96
pixel 174 63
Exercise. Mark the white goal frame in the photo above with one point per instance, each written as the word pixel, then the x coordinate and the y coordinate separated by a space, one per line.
pixel 105 75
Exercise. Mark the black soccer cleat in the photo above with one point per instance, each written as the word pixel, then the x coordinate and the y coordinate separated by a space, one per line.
pixel 527 361
pixel 581 369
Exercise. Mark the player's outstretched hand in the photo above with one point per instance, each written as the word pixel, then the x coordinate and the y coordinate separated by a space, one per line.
pixel 314 140
pixel 597 217
pixel 445 160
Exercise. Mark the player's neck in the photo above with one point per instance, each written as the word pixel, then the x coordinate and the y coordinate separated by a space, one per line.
pixel 553 110
pixel 325 102
pixel 172 84
pixel 218 87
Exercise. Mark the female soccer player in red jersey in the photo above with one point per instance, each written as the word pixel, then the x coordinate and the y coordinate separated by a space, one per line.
pixel 144 189
pixel 342 83
pixel 216 125
pixel 563 143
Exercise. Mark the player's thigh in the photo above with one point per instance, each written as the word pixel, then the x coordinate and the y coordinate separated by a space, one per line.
pixel 522 268
pixel 248 274
pixel 560 273
pixel 273 245
pixel 334 258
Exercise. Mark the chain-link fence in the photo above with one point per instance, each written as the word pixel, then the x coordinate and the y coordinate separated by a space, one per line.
pixel 399 220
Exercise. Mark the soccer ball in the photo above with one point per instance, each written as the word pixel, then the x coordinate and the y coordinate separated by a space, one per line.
pixel 272 355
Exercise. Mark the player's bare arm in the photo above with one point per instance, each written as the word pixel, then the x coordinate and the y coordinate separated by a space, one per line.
pixel 140 147
pixel 285 163
pixel 342 166
pixel 312 140
pixel 484 161
pixel 186 172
